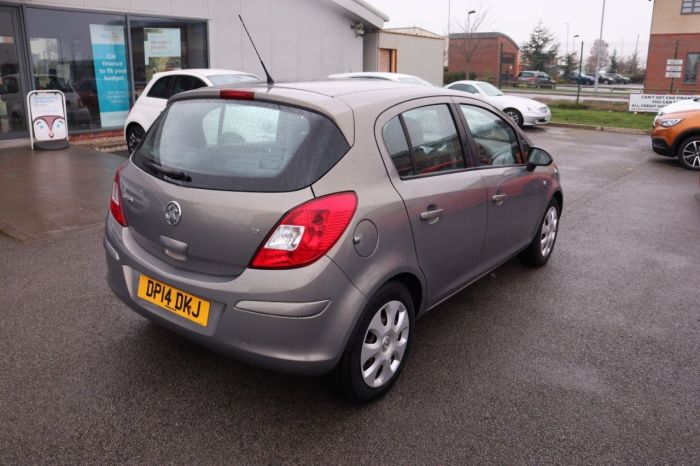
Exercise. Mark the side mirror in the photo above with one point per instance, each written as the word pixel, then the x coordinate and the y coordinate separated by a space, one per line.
pixel 538 158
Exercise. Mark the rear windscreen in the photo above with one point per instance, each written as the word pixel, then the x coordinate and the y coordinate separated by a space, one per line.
pixel 240 146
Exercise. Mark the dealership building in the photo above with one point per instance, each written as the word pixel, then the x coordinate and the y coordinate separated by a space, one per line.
pixel 101 53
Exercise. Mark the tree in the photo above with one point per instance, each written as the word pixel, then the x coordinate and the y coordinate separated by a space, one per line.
pixel 541 50
pixel 466 43
pixel 615 63
pixel 632 63
pixel 570 64
pixel 599 46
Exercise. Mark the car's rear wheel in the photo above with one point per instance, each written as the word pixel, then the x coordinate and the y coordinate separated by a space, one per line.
pixel 540 249
pixel 134 135
pixel 689 153
pixel 379 346
pixel 514 115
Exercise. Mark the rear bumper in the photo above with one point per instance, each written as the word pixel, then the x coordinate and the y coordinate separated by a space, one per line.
pixel 296 321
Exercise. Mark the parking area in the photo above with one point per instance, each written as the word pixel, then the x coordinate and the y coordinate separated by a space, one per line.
pixel 591 359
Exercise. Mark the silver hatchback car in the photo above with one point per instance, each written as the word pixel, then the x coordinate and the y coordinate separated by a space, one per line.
pixel 304 227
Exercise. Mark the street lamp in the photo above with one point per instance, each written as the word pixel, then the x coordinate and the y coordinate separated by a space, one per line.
pixel 469 15
pixel 600 42
pixel 580 67
pixel 567 38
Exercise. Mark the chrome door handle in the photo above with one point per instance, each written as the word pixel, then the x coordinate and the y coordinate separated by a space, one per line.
pixel 432 215
pixel 499 199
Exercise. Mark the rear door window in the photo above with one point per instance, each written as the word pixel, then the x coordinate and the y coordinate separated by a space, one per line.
pixel 241 145
pixel 435 143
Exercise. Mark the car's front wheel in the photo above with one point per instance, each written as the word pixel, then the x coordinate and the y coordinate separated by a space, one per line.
pixel 379 346
pixel 689 153
pixel 514 115
pixel 134 135
pixel 540 249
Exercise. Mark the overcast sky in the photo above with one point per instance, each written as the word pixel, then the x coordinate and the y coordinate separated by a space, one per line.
pixel 624 19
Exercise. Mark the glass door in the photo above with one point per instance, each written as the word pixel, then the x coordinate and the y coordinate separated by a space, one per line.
pixel 13 119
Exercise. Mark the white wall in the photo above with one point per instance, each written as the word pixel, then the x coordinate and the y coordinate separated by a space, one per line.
pixel 298 39
pixel 416 55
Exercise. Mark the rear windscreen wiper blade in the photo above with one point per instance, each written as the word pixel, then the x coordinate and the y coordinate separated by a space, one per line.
pixel 174 174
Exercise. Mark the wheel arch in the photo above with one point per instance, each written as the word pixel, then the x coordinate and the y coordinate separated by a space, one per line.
pixel 681 138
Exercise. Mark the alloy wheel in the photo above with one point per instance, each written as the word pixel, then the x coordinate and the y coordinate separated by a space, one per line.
pixel 384 344
pixel 514 116
pixel 134 138
pixel 691 154
pixel 549 231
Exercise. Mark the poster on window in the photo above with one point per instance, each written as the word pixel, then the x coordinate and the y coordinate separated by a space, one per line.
pixel 111 74
pixel 47 119
pixel 162 50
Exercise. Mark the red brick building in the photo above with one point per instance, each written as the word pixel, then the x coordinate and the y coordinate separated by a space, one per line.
pixel 479 53
pixel 675 34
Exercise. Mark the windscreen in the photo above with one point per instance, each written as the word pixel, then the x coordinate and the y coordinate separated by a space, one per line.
pixel 240 146
pixel 490 89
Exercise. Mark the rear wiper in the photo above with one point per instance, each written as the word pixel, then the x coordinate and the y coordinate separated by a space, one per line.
pixel 174 174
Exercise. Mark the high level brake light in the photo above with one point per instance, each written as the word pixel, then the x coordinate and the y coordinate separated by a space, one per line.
pixel 307 232
pixel 115 204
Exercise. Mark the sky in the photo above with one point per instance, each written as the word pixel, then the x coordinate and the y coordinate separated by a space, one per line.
pixel 624 19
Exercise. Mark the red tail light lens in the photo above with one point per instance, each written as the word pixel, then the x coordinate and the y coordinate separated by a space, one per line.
pixel 307 232
pixel 235 94
pixel 115 204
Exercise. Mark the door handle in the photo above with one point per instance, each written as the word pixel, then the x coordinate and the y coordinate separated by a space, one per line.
pixel 431 216
pixel 499 199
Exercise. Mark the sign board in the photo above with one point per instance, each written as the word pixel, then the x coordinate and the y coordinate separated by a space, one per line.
pixel 46 112
pixel 674 61
pixel 162 50
pixel 111 75
pixel 652 103
pixel 673 74
pixel 674 68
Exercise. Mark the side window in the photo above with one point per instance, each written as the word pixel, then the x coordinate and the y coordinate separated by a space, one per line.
pixel 465 88
pixel 395 141
pixel 185 83
pixel 159 90
pixel 435 144
pixel 496 141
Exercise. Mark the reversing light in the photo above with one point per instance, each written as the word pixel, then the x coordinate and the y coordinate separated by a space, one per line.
pixel 236 94
pixel 307 232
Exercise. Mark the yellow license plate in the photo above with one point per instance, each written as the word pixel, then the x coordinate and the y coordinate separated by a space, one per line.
pixel 171 299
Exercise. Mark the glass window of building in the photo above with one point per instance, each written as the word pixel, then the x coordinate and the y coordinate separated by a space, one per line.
pixel 162 44
pixel 12 115
pixel 85 56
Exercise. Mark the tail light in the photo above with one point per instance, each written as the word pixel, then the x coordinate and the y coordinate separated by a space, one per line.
pixel 236 94
pixel 115 204
pixel 307 232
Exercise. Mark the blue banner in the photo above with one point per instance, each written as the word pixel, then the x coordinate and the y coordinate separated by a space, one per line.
pixel 111 73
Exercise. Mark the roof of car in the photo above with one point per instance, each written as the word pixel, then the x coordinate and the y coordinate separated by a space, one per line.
pixel 199 72
pixel 467 81
pixel 376 75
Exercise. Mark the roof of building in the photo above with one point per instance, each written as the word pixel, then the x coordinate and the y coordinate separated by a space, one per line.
pixel 414 31
pixel 484 35
pixel 364 12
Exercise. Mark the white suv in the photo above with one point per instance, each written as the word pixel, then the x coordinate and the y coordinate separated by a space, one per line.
pixel 162 86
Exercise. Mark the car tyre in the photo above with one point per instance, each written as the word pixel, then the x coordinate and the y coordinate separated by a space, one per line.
pixel 689 153
pixel 382 337
pixel 134 135
pixel 514 115
pixel 540 249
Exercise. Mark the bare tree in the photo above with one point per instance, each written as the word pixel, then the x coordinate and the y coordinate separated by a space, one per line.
pixel 466 42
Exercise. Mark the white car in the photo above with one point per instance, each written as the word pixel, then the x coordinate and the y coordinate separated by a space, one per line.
pixel 680 106
pixel 396 77
pixel 524 112
pixel 162 86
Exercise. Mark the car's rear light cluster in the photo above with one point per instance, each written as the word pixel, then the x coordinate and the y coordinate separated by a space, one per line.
pixel 115 204
pixel 307 232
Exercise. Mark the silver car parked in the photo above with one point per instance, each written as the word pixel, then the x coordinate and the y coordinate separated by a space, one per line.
pixel 305 226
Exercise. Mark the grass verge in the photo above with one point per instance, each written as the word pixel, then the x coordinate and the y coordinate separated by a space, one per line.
pixel 611 114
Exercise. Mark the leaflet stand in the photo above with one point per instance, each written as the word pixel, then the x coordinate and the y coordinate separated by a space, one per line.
pixel 46 114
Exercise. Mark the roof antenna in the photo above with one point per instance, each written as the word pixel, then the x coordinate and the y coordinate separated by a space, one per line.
pixel 270 81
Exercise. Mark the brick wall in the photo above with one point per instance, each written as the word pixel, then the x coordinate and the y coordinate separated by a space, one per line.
pixel 661 48
pixel 485 60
